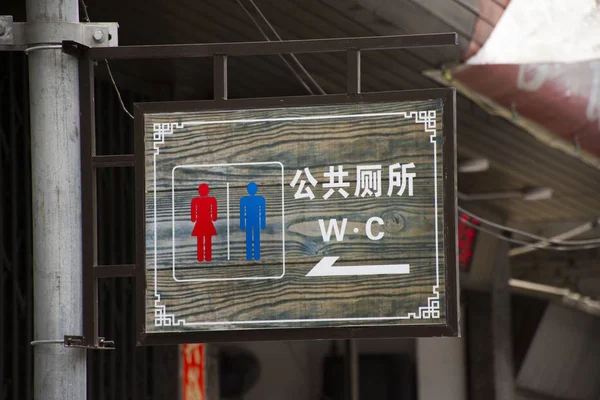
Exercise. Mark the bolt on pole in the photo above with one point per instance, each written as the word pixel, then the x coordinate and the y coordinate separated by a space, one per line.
pixel 59 372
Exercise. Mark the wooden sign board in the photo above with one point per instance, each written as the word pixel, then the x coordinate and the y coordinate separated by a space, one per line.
pixel 321 217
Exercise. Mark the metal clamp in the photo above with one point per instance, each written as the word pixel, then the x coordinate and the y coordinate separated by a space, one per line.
pixel 79 342
pixel 30 35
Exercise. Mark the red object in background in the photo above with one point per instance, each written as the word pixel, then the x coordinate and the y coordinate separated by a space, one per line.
pixel 193 372
pixel 467 236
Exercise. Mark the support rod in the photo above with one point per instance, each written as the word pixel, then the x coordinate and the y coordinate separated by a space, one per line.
pixel 59 373
pixel 353 71
pixel 220 77
pixel 89 198
pixel 352 370
pixel 270 48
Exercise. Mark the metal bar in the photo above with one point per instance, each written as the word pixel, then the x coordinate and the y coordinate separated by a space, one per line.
pixel 433 330
pixel 112 328
pixel 114 271
pixel 109 308
pixel 353 71
pixel 140 226
pixel 121 160
pixel 123 316
pixel 89 202
pixel 127 325
pixel 73 48
pixel 450 207
pixel 270 48
pixel 220 77
pixel 352 370
pixel 291 101
pixel 101 93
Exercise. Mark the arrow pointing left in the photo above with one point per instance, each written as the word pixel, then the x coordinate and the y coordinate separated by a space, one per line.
pixel 325 268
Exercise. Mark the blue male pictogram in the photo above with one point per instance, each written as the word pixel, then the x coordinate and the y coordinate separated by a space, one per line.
pixel 253 218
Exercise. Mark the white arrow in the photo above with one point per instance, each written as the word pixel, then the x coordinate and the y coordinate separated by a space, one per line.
pixel 325 268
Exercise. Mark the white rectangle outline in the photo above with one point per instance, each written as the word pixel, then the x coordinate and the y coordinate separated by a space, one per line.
pixel 421 310
pixel 282 221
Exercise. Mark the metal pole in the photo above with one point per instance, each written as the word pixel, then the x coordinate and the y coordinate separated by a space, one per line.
pixel 352 370
pixel 59 373
pixel 353 57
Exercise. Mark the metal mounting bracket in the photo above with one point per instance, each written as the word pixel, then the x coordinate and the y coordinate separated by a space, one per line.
pixel 79 342
pixel 15 36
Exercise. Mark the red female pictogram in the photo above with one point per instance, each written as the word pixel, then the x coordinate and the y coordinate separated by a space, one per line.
pixel 203 213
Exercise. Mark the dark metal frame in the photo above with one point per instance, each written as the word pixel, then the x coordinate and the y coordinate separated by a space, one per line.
pixel 449 202
pixel 90 162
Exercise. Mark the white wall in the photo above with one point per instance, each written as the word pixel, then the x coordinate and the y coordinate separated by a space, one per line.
pixel 441 372
pixel 294 370
pixel 281 377
pixel 563 359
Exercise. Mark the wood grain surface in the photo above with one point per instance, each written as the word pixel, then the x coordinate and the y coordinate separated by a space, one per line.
pixel 269 152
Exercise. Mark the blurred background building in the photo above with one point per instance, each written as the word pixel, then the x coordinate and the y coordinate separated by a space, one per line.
pixel 528 111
